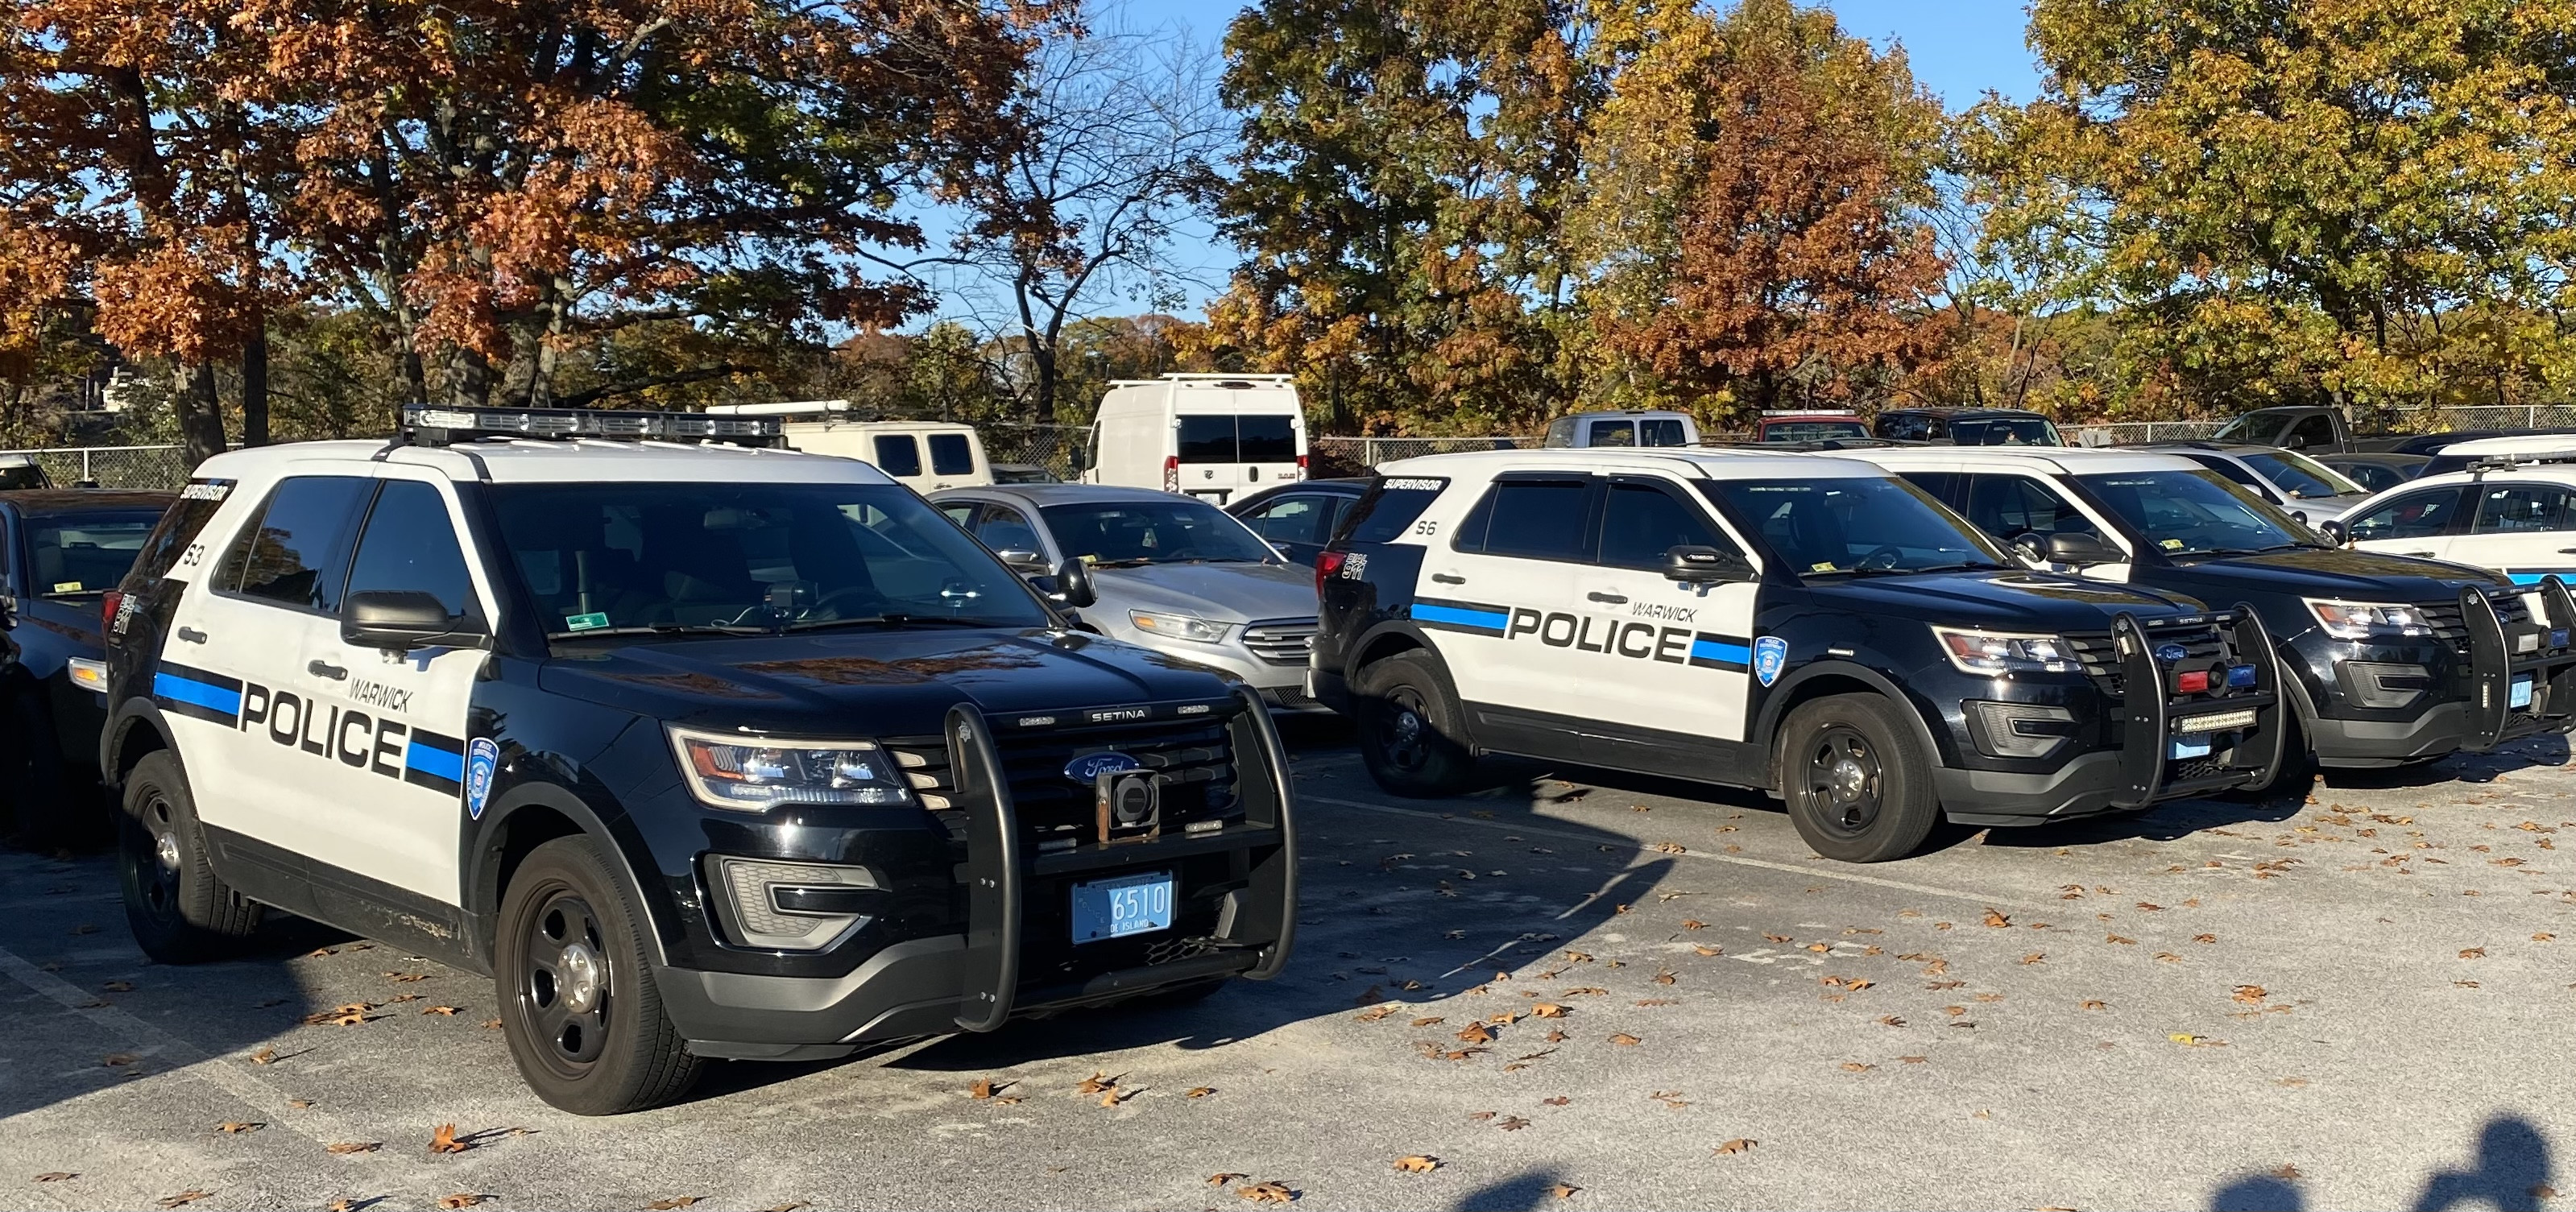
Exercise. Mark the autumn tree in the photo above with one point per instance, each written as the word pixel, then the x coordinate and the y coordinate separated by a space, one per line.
pixel 1751 222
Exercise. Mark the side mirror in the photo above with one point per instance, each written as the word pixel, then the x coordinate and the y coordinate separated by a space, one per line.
pixel 1285 552
pixel 1706 566
pixel 2079 549
pixel 1025 563
pixel 1081 459
pixel 2334 531
pixel 400 620
pixel 2294 442
pixel 1073 585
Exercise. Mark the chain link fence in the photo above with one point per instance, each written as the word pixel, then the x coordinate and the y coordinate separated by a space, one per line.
pixel 111 466
pixel 2121 432
pixel 1045 446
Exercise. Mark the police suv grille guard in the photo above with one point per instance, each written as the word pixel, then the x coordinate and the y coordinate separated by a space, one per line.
pixel 1000 865
pixel 2148 771
pixel 2493 639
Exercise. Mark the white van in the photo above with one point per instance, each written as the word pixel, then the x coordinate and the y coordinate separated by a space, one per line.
pixel 1633 427
pixel 1209 436
pixel 924 456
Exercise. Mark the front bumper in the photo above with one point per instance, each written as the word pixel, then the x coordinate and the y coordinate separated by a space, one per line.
pixel 1237 887
pixel 2479 713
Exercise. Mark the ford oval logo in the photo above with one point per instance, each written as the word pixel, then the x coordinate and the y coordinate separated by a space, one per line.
pixel 2170 653
pixel 1088 768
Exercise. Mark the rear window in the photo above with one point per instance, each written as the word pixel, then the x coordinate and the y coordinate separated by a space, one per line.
pixel 1664 432
pixel 1389 508
pixel 78 553
pixel 180 523
pixel 1266 439
pixel 898 454
pixel 1207 439
pixel 951 455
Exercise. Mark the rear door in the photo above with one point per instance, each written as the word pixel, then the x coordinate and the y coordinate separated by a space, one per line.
pixel 1499 594
pixel 2418 523
pixel 899 455
pixel 2520 529
pixel 956 460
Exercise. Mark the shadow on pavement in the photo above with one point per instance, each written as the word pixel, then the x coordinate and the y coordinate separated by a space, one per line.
pixel 2511 1174
pixel 1524 1192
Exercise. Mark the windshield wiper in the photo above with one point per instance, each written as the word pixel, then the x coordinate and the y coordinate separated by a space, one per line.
pixel 896 620
pixel 1138 562
pixel 660 629
pixel 1907 572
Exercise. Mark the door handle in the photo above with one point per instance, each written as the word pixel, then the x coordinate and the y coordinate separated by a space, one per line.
pixel 1447 579
pixel 1612 598
pixel 2425 554
pixel 190 635
pixel 2567 551
pixel 321 670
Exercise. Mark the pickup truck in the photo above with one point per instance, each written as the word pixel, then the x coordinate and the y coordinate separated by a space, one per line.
pixel 2308 427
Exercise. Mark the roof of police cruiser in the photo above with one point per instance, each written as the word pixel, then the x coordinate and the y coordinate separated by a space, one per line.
pixel 542 460
pixel 1709 462
pixel 2044 460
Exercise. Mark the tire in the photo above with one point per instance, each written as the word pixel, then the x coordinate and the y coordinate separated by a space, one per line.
pixel 181 911
pixel 578 1004
pixel 1857 781
pixel 2295 774
pixel 1409 729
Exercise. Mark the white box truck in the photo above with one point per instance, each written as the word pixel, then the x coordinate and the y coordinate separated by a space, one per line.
pixel 1212 436
pixel 923 456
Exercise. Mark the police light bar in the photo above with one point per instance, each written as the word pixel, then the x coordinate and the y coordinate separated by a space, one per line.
pixel 439 425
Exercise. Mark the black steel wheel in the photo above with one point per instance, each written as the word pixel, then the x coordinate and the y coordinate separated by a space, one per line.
pixel 1857 780
pixel 564 984
pixel 578 1004
pixel 1409 731
pixel 180 911
pixel 1843 781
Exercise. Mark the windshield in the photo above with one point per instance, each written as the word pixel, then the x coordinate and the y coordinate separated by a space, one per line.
pixel 1824 527
pixel 1176 530
pixel 2254 428
pixel 77 553
pixel 605 557
pixel 2300 476
pixel 1812 431
pixel 2004 431
pixel 2194 512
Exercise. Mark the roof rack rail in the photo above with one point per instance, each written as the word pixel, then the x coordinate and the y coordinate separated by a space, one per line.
pixel 2500 460
pixel 424 425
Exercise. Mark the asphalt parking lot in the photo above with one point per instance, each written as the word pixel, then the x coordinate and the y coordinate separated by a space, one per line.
pixel 1590 992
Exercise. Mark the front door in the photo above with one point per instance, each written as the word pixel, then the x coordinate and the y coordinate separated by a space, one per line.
pixel 2410 524
pixel 1667 656
pixel 1498 595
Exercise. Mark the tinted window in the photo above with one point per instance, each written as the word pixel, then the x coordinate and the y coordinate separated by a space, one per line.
pixel 1665 432
pixel 296 552
pixel 1295 518
pixel 2232 470
pixel 898 454
pixel 179 526
pixel 1539 519
pixel 2010 506
pixel 1169 530
pixel 2373 476
pixel 1856 524
pixel 2254 428
pixel 1938 485
pixel 2193 512
pixel 1612 433
pixel 1207 439
pixel 1640 522
pixel 1388 509
pixel 2301 476
pixel 2522 507
pixel 597 557
pixel 951 454
pixel 1006 529
pixel 1267 439
pixel 2317 430
pixel 1905 428
pixel 2004 431
pixel 75 553
pixel 409 544
pixel 2417 515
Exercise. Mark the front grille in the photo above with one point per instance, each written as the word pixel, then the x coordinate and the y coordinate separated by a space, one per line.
pixel 2100 657
pixel 1192 760
pixel 1281 641
pixel 2452 628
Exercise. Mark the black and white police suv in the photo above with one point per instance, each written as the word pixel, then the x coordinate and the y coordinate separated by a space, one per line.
pixel 1806 625
pixel 701 749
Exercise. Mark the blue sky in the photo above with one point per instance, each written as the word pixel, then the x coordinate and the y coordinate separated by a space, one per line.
pixel 1958 49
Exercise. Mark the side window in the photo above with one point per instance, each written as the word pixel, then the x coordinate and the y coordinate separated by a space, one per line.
pixel 962 513
pixel 179 526
pixel 1560 432
pixel 1904 428
pixel 2417 515
pixel 2233 470
pixel 898 454
pixel 951 455
pixel 1640 522
pixel 1295 518
pixel 409 544
pixel 1665 432
pixel 2315 431
pixel 1939 485
pixel 1004 529
pixel 1612 433
pixel 296 552
pixel 2521 507
pixel 2007 506
pixel 1538 519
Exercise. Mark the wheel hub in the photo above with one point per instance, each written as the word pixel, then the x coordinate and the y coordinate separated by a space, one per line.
pixel 580 978
pixel 1848 779
pixel 1408 726
pixel 165 851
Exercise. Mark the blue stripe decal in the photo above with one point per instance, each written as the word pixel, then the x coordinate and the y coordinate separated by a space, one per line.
pixel 2534 578
pixel 445 763
pixel 1711 650
pixel 1492 619
pixel 184 690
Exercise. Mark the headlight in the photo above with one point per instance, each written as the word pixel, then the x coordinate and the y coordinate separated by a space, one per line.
pixel 749 774
pixel 1179 626
pixel 2364 620
pixel 1993 652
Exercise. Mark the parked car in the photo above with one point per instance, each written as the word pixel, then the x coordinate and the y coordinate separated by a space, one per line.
pixel 2376 472
pixel 2313 428
pixel 1633 427
pixel 1777 427
pixel 62 552
pixel 2311 491
pixel 1174 574
pixel 924 456
pixel 1211 436
pixel 22 471
pixel 2460 451
pixel 2385 659
pixel 2511 513
pixel 1023 473
pixel 1298 519
pixel 1967 426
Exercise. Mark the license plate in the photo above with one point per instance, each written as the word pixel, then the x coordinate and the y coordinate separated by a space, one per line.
pixel 2520 695
pixel 1130 904
pixel 2190 747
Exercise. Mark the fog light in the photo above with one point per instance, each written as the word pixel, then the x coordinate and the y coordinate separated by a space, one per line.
pixel 2219 722
pixel 2019 730
pixel 792 906
pixel 2382 685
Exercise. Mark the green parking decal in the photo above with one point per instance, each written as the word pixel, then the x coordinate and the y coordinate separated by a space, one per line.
pixel 585 622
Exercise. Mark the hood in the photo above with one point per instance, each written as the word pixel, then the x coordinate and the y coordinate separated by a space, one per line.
pixel 2329 572
pixel 898 683
pixel 1221 593
pixel 2007 601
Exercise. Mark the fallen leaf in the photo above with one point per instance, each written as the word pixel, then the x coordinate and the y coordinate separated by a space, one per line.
pixel 1267 1193
pixel 1777 938
pixel 1625 1040
pixel 1564 1190
pixel 182 1199
pixel 343 1204
pixel 1672 848
pixel 2204 938
pixel 676 1201
pixel 2251 995
pixel 449 1011
pixel 56 1176
pixel 1996 919
pixel 118 986
pixel 1113 1097
pixel 1221 1178
pixel 2473 953
pixel 2035 957
pixel 1512 1123
pixel 299 1103
pixel 444 1140
pixel 1856 1067
pixel 1548 1010
pixel 1429 1020
pixel 1417 1164
pixel 1707 952
pixel 1692 923
pixel 461 1199
pixel 1738 1145
pixel 1557 1037
pixel 2188 1040
pixel 1198 1091
pixel 491 1024
pixel 2091 1004
pixel 1665 976
pixel 236 1127
pixel 983 1088
pixel 1890 1020
pixel 1914 1060
pixel 346 1147
pixel 2168 957
pixel 1558 1101
pixel 1475 1033
pixel 2286 1170
pixel 1097 1082
pixel 264 1056
pixel 1374 993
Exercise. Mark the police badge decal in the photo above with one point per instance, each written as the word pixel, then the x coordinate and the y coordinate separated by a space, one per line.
pixel 1770 655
